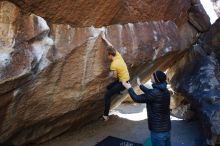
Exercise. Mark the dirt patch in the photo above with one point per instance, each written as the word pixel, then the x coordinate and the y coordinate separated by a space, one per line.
pixel 128 121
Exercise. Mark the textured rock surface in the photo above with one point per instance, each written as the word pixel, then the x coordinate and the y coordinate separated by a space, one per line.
pixel 197 78
pixel 52 78
pixel 188 33
pixel 105 12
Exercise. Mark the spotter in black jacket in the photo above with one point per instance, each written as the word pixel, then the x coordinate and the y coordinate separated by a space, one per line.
pixel 158 106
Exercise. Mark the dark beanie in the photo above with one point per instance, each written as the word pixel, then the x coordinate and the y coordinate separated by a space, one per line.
pixel 159 77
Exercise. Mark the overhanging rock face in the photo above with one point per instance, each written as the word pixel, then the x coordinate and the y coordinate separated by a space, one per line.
pixel 50 83
pixel 53 76
pixel 105 12
pixel 197 77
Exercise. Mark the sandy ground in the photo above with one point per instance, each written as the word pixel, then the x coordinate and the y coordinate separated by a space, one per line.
pixel 128 121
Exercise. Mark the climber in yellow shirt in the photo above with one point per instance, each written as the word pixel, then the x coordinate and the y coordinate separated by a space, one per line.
pixel 118 70
pixel 118 66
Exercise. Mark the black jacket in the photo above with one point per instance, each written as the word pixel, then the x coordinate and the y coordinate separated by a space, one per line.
pixel 158 106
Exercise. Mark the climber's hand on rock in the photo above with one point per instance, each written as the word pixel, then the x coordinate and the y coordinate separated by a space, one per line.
pixel 103 35
pixel 105 40
pixel 126 85
pixel 138 81
pixel 112 74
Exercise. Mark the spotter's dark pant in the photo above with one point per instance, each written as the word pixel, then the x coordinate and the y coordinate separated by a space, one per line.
pixel 160 138
pixel 112 89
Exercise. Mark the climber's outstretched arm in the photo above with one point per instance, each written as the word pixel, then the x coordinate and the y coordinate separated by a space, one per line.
pixel 105 40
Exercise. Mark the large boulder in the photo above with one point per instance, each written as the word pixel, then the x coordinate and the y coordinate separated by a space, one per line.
pixel 53 78
pixel 53 75
pixel 196 77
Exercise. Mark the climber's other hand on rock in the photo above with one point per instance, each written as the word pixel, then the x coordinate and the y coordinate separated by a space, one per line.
pixel 126 85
